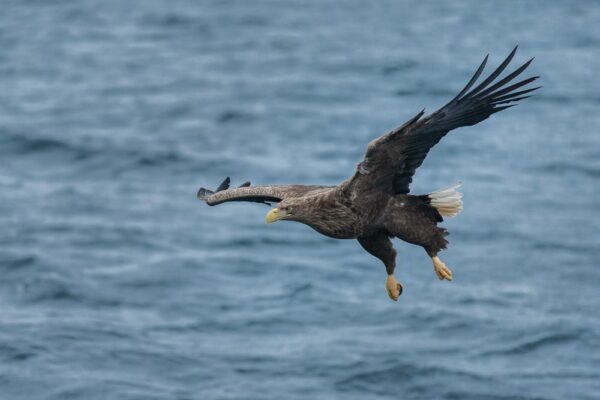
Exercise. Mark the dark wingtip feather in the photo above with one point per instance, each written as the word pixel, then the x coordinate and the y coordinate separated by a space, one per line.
pixel 245 184
pixel 511 100
pixel 473 79
pixel 203 193
pixel 416 117
pixel 408 123
pixel 224 185
pixel 493 75
pixel 497 109
pixel 508 89
pixel 483 93
pixel 502 94
pixel 514 94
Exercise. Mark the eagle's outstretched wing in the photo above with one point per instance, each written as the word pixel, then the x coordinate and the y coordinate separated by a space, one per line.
pixel 256 194
pixel 391 160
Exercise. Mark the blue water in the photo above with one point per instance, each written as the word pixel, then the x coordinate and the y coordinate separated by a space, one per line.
pixel 116 283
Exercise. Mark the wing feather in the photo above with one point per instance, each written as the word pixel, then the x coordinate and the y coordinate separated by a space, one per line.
pixel 392 159
pixel 255 194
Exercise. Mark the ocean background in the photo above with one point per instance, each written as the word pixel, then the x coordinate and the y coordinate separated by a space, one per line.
pixel 117 283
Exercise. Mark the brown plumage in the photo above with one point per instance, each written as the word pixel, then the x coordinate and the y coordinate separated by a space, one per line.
pixel 374 205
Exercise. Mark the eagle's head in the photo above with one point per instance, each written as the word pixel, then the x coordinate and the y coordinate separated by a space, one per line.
pixel 293 209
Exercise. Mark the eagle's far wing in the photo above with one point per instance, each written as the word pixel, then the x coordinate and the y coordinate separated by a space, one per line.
pixel 392 159
pixel 256 194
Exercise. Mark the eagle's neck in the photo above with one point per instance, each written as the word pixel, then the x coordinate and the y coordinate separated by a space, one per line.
pixel 329 215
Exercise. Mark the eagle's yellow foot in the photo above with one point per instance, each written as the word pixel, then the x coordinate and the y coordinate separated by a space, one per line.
pixel 441 270
pixel 394 288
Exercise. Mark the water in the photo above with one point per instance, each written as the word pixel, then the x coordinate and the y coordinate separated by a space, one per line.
pixel 118 284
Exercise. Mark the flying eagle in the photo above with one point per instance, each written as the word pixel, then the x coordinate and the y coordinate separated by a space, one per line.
pixel 375 204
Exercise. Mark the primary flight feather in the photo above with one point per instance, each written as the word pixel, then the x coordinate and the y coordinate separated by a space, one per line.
pixel 374 205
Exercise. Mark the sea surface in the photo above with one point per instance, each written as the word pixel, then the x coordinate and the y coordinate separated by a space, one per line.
pixel 117 283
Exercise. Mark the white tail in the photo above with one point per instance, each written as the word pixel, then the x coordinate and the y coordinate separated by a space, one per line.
pixel 447 201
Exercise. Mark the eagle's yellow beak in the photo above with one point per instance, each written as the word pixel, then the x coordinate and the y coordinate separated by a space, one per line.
pixel 274 215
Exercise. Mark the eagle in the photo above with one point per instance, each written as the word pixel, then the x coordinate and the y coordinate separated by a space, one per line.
pixel 375 204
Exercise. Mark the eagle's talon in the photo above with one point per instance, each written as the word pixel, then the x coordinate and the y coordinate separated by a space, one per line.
pixel 441 270
pixel 394 288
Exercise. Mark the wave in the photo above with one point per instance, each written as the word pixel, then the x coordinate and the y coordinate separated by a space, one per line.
pixel 531 345
pixel 19 262
pixel 25 144
pixel 379 380
pixel 568 167
pixel 12 353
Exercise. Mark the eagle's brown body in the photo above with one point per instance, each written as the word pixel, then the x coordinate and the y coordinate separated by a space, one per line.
pixel 374 205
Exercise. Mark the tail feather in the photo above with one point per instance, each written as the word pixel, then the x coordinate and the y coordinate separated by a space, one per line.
pixel 447 201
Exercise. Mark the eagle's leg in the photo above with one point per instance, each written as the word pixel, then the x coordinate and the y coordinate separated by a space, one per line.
pixel 380 246
pixel 416 229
